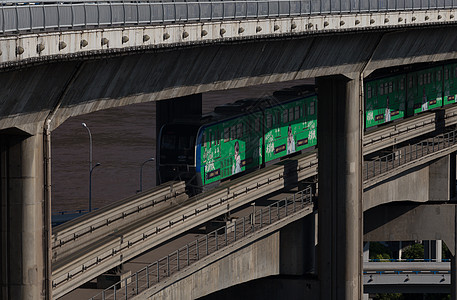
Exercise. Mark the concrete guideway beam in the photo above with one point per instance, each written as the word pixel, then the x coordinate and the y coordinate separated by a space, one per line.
pixel 340 188
pixel 22 217
pixel 26 48
pixel 153 75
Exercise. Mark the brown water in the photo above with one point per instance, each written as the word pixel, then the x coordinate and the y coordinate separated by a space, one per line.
pixel 122 138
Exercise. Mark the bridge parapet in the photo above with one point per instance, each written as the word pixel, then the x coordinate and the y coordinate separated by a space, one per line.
pixel 51 30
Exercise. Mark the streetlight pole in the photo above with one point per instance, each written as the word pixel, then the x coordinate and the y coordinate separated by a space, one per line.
pixel 90 186
pixel 141 174
pixel 90 165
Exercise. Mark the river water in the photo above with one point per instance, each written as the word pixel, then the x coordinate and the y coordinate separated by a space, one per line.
pixel 122 138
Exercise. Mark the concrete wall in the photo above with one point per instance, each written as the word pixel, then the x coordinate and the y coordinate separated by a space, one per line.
pixel 256 260
pixel 410 222
pixel 433 181
pixel 21 214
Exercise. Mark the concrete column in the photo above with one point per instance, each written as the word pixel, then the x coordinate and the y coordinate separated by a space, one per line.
pixel 340 193
pixel 187 107
pixel 442 179
pixel 453 261
pixel 297 251
pixel 173 109
pixel 366 252
pixel 22 197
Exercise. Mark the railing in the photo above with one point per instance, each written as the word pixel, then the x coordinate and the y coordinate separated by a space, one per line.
pixel 49 15
pixel 408 154
pixel 204 246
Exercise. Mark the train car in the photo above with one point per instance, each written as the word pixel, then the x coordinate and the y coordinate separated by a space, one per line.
pixel 450 84
pixel 425 90
pixel 385 100
pixel 290 127
pixel 234 139
pixel 228 146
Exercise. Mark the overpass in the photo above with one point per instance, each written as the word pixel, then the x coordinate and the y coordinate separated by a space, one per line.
pixel 419 157
pixel 80 67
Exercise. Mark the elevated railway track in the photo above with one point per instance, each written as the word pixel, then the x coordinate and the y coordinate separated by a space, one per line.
pixel 90 246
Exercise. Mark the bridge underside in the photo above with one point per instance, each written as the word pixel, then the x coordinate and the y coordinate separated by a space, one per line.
pixel 77 87
pixel 83 86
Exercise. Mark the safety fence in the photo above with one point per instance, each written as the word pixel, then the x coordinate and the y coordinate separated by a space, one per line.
pixel 407 154
pixel 206 245
pixel 47 15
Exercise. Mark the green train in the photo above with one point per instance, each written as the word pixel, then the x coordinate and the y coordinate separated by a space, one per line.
pixel 248 134
pixel 238 137
pixel 407 94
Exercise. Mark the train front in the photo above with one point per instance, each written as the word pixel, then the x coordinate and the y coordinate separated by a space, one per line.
pixel 177 153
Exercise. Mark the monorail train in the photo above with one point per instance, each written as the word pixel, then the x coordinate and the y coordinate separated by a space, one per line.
pixel 248 134
pixel 407 94
pixel 237 137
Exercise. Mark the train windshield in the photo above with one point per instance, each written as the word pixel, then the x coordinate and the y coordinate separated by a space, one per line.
pixel 178 144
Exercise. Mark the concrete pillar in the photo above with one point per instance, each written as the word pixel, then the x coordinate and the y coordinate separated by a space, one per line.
pixel 442 178
pixel 366 252
pixel 433 250
pixel 340 183
pixel 297 251
pixel 22 197
pixel 173 109
pixel 454 257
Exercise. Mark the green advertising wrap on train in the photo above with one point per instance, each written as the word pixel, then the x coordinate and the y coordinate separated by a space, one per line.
pixel 234 145
pixel 410 93
pixel 250 133
pixel 237 137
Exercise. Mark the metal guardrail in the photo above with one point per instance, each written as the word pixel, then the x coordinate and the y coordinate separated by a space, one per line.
pixel 119 211
pixel 47 15
pixel 408 154
pixel 203 246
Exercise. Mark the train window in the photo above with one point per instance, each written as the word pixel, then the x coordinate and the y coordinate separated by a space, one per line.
pixel 269 120
pixel 402 84
pixel 291 114
pixel 239 130
pixel 297 112
pixel 311 108
pixel 446 74
pixel 204 139
pixel 369 91
pixel 278 117
pixel 381 92
pixel 226 134
pixel 429 77
pixel 257 124
pixel 391 87
pixel 438 75
pixel 284 116
pixel 386 88
pixel 410 82
pixel 233 132
pixel 421 79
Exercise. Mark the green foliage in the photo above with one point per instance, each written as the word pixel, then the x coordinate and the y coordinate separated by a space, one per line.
pixel 415 251
pixel 446 252
pixel 379 251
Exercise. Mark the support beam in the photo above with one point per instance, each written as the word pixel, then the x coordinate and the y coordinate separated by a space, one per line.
pixel 187 107
pixel 340 193
pixel 22 198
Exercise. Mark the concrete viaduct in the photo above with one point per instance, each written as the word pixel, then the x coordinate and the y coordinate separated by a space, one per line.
pixel 43 84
